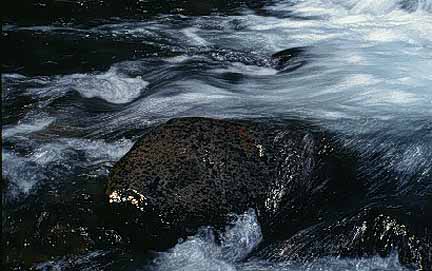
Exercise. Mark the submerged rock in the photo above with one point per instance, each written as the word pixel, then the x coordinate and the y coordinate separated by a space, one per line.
pixel 194 172
pixel 52 225
pixel 371 231
pixel 290 59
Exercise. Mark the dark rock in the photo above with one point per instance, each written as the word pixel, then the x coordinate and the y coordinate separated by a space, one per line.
pixel 289 60
pixel 192 172
pixel 46 227
pixel 372 231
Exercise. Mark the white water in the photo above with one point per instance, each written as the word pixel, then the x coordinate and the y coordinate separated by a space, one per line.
pixel 110 86
pixel 367 65
pixel 25 172
pixel 202 253
pixel 27 127
pixel 366 59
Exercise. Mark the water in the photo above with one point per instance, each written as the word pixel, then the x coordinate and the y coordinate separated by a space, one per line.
pixel 201 252
pixel 78 91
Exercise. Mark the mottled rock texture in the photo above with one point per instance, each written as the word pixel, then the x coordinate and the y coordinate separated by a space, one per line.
pixel 192 172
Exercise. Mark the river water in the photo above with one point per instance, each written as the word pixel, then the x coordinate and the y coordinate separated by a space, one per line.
pixel 78 89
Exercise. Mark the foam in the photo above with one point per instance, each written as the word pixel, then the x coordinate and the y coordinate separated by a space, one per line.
pixel 201 252
pixel 21 175
pixel 26 172
pixel 380 7
pixel 111 86
pixel 192 36
pixel 252 70
pixel 24 128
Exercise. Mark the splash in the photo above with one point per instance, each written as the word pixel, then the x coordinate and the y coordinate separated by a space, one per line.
pixel 202 252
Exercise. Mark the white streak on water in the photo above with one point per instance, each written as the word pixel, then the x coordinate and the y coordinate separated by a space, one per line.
pixel 393 48
pixel 193 37
pixel 25 172
pixel 252 70
pixel 380 7
pixel 111 86
pixel 23 127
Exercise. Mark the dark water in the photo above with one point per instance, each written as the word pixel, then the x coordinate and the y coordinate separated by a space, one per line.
pixel 82 79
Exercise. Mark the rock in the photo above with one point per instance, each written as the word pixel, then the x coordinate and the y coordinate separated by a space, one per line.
pixel 192 172
pixel 372 231
pixel 289 60
pixel 45 227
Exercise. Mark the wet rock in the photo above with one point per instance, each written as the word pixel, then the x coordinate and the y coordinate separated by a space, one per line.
pixel 192 172
pixel 289 60
pixel 97 260
pixel 46 227
pixel 372 231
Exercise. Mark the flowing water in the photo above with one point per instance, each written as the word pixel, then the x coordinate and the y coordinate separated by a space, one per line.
pixel 78 90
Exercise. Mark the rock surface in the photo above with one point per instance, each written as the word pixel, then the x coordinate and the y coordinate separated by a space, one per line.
pixel 371 231
pixel 193 172
pixel 56 224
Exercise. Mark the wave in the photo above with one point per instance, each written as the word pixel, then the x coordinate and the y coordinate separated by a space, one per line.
pixel 379 7
pixel 203 252
pixel 111 86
